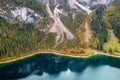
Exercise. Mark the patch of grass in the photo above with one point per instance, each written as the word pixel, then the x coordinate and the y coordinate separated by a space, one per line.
pixel 112 43
pixel 90 51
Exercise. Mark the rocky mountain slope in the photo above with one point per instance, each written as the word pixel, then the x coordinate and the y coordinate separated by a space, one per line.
pixel 29 25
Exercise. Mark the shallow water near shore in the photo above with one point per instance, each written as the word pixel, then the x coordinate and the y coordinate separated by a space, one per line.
pixel 54 67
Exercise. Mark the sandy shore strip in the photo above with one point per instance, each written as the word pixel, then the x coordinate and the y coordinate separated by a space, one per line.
pixel 30 55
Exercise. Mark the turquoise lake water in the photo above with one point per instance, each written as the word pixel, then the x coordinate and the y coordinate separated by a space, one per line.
pixel 54 67
pixel 90 73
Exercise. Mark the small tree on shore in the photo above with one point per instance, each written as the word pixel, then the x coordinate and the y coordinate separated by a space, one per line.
pixel 110 50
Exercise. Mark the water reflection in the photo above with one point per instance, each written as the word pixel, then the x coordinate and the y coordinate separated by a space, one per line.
pixel 90 73
pixel 53 67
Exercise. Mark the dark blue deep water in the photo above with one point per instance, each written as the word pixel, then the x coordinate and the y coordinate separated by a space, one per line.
pixel 54 67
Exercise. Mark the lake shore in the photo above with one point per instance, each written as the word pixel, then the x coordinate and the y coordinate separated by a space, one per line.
pixel 56 53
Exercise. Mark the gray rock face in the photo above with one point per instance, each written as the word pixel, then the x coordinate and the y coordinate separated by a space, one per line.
pixel 68 5
pixel 27 15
